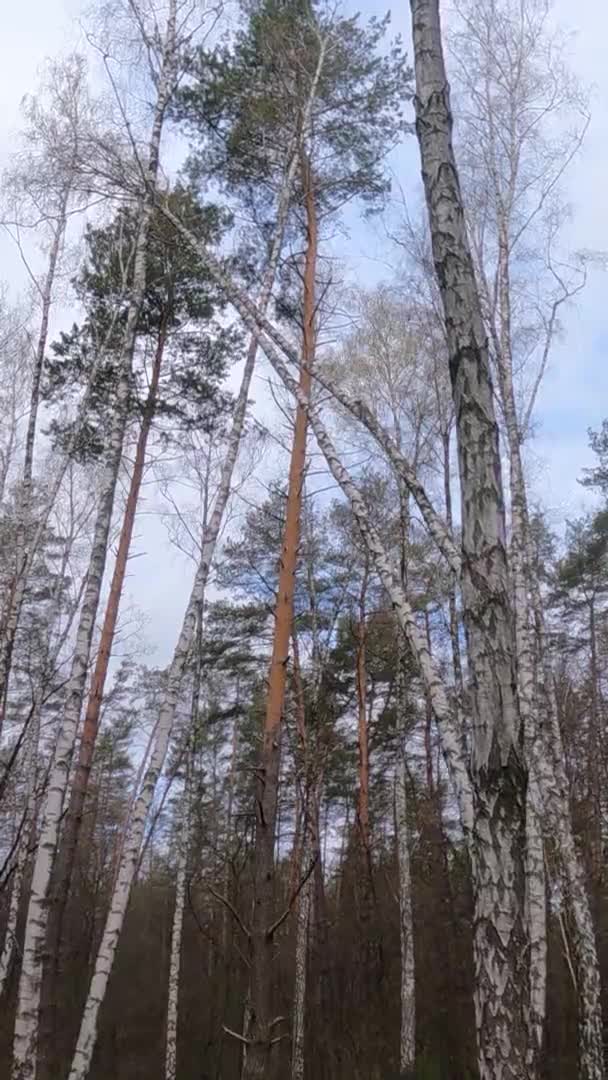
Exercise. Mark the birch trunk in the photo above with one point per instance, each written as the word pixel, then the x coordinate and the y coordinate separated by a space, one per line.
pixel 176 930
pixel 407 1041
pixel 303 920
pixel 64 864
pixel 25 1051
pixel 363 746
pixel 548 759
pixel 23 851
pixel 501 939
pixel 10 621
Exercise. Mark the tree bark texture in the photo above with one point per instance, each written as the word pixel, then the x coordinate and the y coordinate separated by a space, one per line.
pixel 261 1030
pixel 501 939
pixel 407 1038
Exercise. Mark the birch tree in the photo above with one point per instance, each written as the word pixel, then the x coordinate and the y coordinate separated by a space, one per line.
pixel 26 1022
pixel 39 191
pixel 514 87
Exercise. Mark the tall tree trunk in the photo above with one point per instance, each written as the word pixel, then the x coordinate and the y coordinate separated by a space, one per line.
pixel 549 762
pixel 501 939
pixel 28 827
pixel 10 618
pixel 547 795
pixel 596 757
pixel 362 738
pixel 25 1052
pixel 407 1040
pixel 64 864
pixel 536 890
pixel 303 918
pixel 171 1072
pixel 452 608
pixel 261 1031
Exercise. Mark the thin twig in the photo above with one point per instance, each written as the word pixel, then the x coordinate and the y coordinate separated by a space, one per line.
pixel 275 926
pixel 224 900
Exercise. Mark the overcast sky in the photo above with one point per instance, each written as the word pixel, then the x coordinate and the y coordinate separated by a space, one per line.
pixel 575 393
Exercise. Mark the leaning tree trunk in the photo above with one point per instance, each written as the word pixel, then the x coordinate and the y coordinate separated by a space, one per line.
pixel 501 939
pixel 64 864
pixel 262 1031
pixel 25 1050
pixel 10 618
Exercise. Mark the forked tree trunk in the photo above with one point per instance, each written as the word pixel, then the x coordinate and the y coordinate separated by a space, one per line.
pixel 501 939
pixel 262 1031
pixel 25 1049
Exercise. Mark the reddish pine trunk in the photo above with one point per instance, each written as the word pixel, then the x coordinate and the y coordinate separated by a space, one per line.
pixel 261 1031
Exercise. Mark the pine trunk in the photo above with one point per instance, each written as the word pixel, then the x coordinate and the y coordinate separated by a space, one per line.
pixel 261 1032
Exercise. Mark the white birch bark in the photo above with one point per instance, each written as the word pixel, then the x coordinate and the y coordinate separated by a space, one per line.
pixel 303 920
pixel 133 840
pixel 27 1016
pixel 176 933
pixel 25 841
pixel 407 1041
pixel 548 760
pixel 501 933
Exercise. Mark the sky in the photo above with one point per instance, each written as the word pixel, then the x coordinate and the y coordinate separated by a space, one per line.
pixel 574 396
